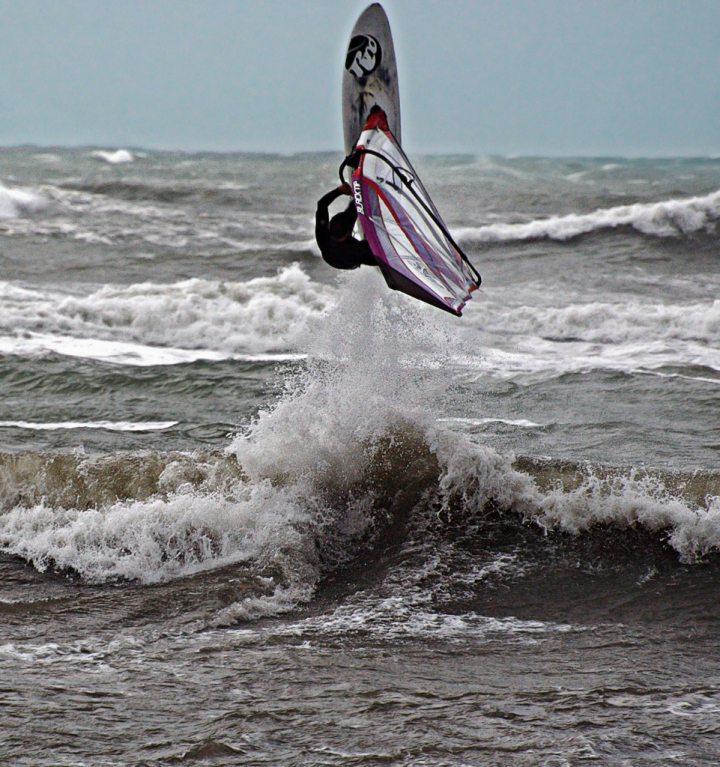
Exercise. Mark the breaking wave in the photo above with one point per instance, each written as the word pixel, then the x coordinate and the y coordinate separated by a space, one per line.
pixel 118 157
pixel 338 466
pixel 148 323
pixel 669 218
pixel 16 202
pixel 625 336
pixel 603 322
pixel 152 516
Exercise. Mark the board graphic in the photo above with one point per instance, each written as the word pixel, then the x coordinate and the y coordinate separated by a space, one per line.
pixel 409 240
pixel 369 75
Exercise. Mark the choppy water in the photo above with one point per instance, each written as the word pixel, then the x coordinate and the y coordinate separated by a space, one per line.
pixel 254 511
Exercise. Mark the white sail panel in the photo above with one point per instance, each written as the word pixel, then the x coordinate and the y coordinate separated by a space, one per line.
pixel 403 227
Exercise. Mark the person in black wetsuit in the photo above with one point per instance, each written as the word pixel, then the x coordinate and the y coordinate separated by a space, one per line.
pixel 334 235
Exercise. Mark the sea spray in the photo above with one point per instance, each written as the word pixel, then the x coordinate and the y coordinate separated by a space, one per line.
pixel 346 455
pixel 369 369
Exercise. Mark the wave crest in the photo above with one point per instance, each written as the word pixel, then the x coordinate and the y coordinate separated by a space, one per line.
pixel 150 323
pixel 16 202
pixel 669 218
pixel 118 157
pixel 682 507
pixel 344 461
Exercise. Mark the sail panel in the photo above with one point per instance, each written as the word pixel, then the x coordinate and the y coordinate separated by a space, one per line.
pixel 402 224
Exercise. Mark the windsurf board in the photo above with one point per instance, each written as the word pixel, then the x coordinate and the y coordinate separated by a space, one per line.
pixel 369 76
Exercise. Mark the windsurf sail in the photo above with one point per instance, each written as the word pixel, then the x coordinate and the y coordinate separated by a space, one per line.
pixel 412 246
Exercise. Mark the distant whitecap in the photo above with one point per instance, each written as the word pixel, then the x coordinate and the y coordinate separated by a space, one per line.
pixel 16 202
pixel 107 425
pixel 520 422
pixel 114 158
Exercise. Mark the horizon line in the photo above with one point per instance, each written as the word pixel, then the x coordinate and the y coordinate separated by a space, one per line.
pixel 138 152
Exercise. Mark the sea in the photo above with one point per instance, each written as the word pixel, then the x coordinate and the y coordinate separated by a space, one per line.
pixel 257 511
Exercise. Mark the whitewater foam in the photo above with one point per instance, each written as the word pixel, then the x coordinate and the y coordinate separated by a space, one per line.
pixel 632 336
pixel 155 539
pixel 349 449
pixel 661 219
pixel 404 617
pixel 523 423
pixel 118 157
pixel 17 201
pixel 152 324
pixel 107 425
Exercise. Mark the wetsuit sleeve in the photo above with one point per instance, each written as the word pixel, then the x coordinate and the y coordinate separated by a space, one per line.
pixel 322 214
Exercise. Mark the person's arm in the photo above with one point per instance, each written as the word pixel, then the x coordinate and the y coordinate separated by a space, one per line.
pixel 322 215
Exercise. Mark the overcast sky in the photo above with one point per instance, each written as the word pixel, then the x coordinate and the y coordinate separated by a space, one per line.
pixel 531 77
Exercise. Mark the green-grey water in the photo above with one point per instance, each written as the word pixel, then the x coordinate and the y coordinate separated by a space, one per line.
pixel 254 511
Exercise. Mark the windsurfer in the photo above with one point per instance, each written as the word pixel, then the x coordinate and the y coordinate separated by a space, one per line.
pixel 334 235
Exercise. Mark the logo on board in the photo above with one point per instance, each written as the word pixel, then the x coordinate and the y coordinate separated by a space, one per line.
pixel 364 56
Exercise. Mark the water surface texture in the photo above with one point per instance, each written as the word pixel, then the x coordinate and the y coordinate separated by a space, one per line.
pixel 255 511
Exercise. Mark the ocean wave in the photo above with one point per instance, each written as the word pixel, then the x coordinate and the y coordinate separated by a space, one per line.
pixel 132 426
pixel 153 516
pixel 127 213
pixel 335 461
pixel 629 336
pixel 120 353
pixel 338 466
pixel 613 323
pixel 669 218
pixel 15 202
pixel 118 157
pixel 681 508
pixel 168 192
pixel 149 324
